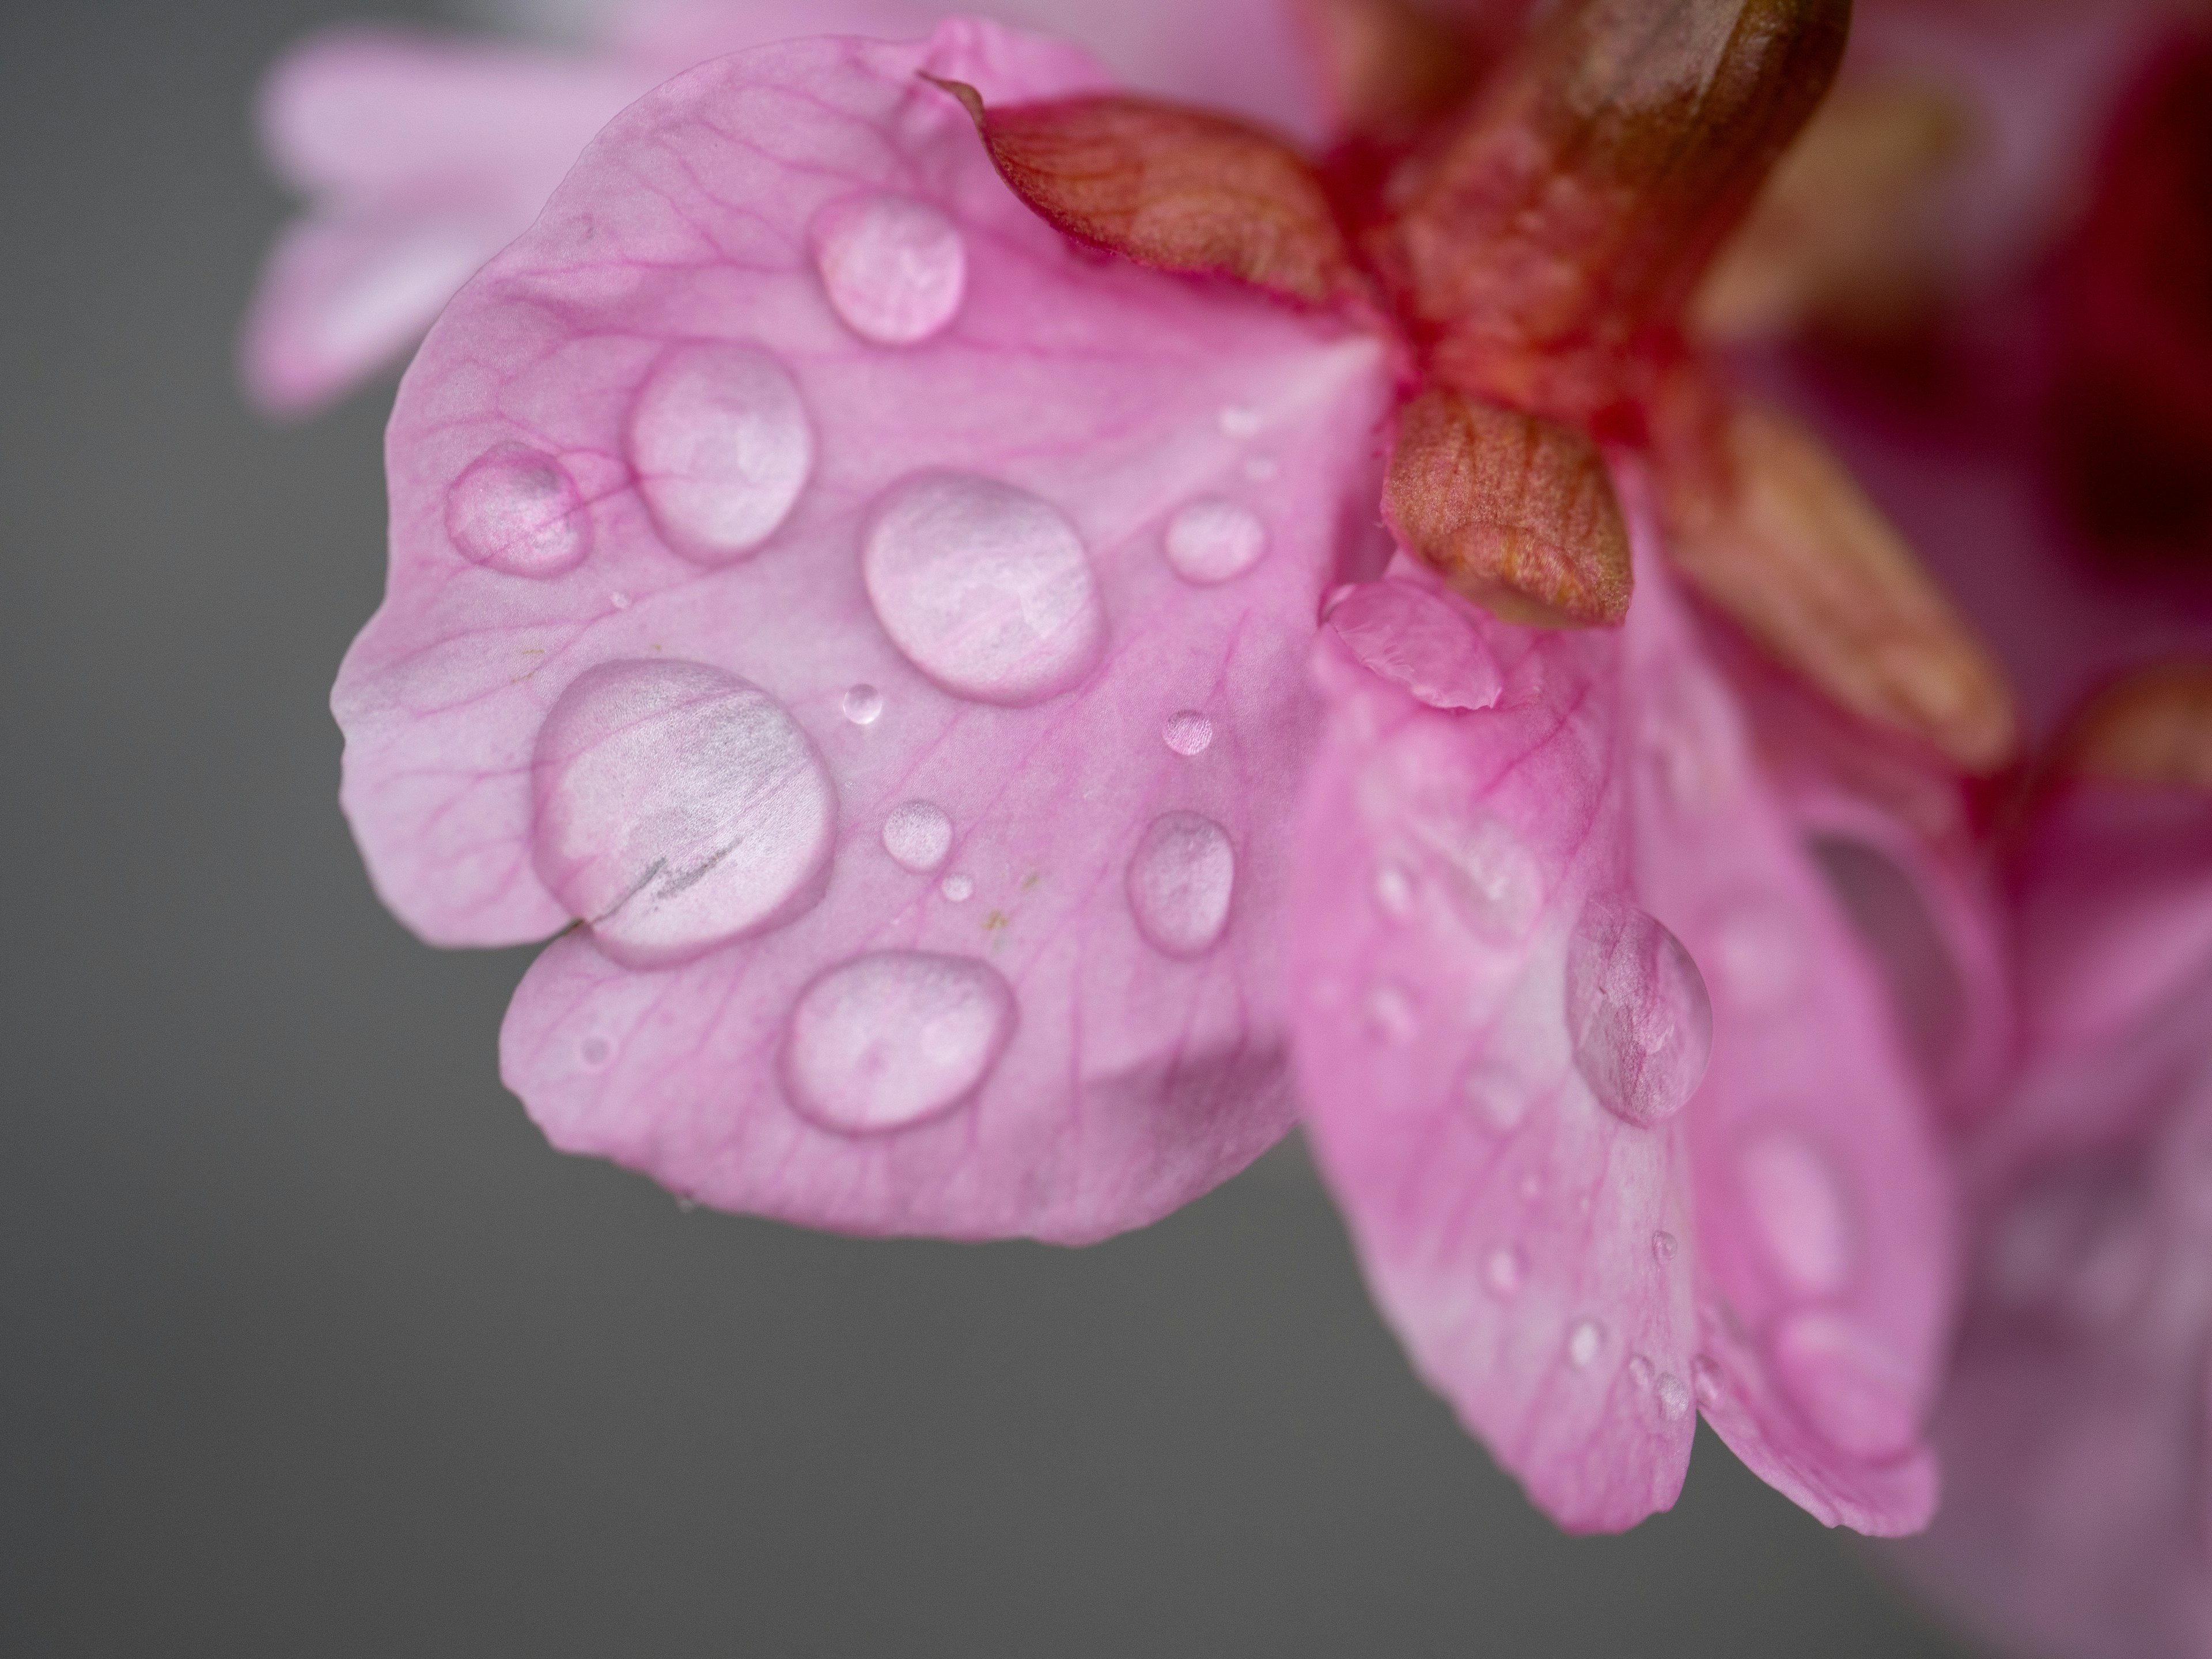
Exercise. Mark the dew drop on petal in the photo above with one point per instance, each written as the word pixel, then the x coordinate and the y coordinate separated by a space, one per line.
pixel 1214 540
pixel 918 835
pixel 1238 422
pixel 895 269
pixel 1495 886
pixel 1499 1095
pixel 516 510
pixel 1503 1270
pixel 1672 1396
pixel 984 587
pixel 1637 1012
pixel 1584 1340
pixel 1798 1208
pixel 1391 1014
pixel 895 1038
pixel 1706 1379
pixel 1393 890
pixel 958 887
pixel 721 445
pixel 1850 1389
pixel 619 600
pixel 863 705
pixel 1180 880
pixel 1188 733
pixel 677 807
pixel 1664 1246
pixel 1419 643
pixel 1756 956
pixel 1639 1370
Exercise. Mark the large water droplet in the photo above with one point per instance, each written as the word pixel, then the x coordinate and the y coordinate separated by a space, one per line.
pixel 1637 1012
pixel 1849 1387
pixel 678 807
pixel 895 1038
pixel 1214 540
pixel 517 511
pixel 1188 732
pixel 894 268
pixel 863 705
pixel 1419 643
pixel 985 587
pixel 918 835
pixel 1799 1209
pixel 1180 881
pixel 1583 1342
pixel 721 446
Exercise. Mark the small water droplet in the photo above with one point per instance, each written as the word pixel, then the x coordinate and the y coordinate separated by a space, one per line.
pixel 984 587
pixel 918 835
pixel 1757 957
pixel 893 1039
pixel 1214 540
pixel 1639 1370
pixel 516 510
pixel 1706 1378
pixel 594 1052
pixel 1419 643
pixel 863 705
pixel 1798 1207
pixel 1583 1342
pixel 1664 1245
pixel 678 807
pixel 721 445
pixel 1502 1269
pixel 1672 1397
pixel 1691 733
pixel 619 599
pixel 1393 890
pixel 1532 1187
pixel 1390 1012
pixel 1188 733
pixel 1497 888
pixel 1238 422
pixel 1262 469
pixel 1499 1093
pixel 1637 1013
pixel 1849 1387
pixel 895 269
pixel 958 887
pixel 1180 880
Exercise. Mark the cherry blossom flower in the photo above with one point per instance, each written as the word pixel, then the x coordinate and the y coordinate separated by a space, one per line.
pixel 1017 638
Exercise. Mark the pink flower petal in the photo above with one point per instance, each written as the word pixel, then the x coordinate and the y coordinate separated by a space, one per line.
pixel 1036 992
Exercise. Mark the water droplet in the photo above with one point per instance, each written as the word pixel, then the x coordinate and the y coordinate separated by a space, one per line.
pixel 1664 1246
pixel 958 887
pixel 1639 1370
pixel 1852 1389
pixel 1692 735
pixel 1502 1269
pixel 1238 422
pixel 1799 1209
pixel 918 835
pixel 863 705
pixel 1390 1012
pixel 618 599
pixel 1393 891
pixel 1499 1093
pixel 1261 469
pixel 1531 1187
pixel 517 511
pixel 1180 880
pixel 1495 886
pixel 1583 1342
pixel 1637 1012
pixel 1756 955
pixel 677 807
pixel 893 1039
pixel 984 587
pixel 1188 733
pixel 721 446
pixel 1419 643
pixel 1706 1378
pixel 895 269
pixel 1214 540
pixel 594 1052
pixel 1672 1397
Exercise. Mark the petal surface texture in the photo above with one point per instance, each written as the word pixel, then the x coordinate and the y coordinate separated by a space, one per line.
pixel 926 809
pixel 1609 1094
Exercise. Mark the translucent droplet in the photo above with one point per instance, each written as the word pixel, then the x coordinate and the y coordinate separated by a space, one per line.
pixel 1584 1340
pixel 721 446
pixel 1637 1013
pixel 1663 1246
pixel 1498 1093
pixel 1419 643
pixel 1672 1396
pixel 895 269
pixel 1532 1187
pixel 863 705
pixel 1180 880
pixel 1393 891
pixel 1639 1370
pixel 1757 957
pixel 958 887
pixel 677 807
pixel 1391 1014
pixel 1495 886
pixel 1188 732
pixel 619 600
pixel 893 1039
pixel 1214 540
pixel 984 587
pixel 1707 1380
pixel 1691 731
pixel 1798 1207
pixel 1503 1270
pixel 1238 422
pixel 918 835
pixel 1852 1389
pixel 517 511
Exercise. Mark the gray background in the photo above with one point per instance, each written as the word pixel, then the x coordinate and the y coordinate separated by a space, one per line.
pixel 312 1347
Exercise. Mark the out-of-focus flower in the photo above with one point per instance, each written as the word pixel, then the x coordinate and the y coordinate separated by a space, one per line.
pixel 887 569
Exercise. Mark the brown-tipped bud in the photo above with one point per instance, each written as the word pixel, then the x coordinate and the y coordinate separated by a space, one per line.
pixel 1515 511
pixel 1772 530
pixel 2154 727
pixel 1577 202
pixel 1179 189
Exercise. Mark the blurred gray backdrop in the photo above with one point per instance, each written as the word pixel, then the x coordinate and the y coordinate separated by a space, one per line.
pixel 309 1345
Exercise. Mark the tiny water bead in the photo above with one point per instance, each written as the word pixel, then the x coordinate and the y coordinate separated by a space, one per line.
pixel 677 807
pixel 895 269
pixel 1499 1094
pixel 895 1038
pixel 1180 880
pixel 722 447
pixel 918 835
pixel 1584 1339
pixel 1238 422
pixel 958 887
pixel 1214 540
pixel 1847 1385
pixel 1637 1013
pixel 517 511
pixel 1757 956
pixel 1188 732
pixel 1640 1370
pixel 1798 1207
pixel 1708 1380
pixel 1393 891
pixel 1664 1245
pixel 984 587
pixel 1503 1270
pixel 1673 1397
pixel 1496 886
pixel 1419 643
pixel 863 705
pixel 1391 1014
